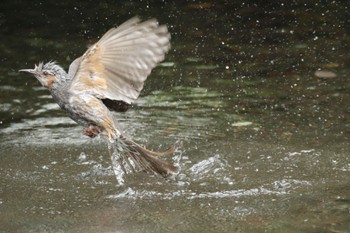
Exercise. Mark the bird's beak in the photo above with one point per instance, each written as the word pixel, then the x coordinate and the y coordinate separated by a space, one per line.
pixel 28 71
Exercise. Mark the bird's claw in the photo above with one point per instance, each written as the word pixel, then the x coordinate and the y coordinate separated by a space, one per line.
pixel 92 131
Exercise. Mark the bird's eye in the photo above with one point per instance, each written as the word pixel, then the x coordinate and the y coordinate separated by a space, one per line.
pixel 45 73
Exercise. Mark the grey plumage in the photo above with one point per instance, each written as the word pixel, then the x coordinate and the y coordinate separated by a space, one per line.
pixel 111 74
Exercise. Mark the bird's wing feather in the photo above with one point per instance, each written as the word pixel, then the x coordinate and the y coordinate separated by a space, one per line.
pixel 117 65
pixel 74 67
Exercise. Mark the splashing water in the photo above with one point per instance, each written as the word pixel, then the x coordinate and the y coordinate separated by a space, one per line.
pixel 121 163
pixel 117 167
pixel 132 158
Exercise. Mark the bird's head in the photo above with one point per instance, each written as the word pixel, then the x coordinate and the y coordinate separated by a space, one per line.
pixel 49 74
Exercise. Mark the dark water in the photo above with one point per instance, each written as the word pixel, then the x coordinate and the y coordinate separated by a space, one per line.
pixel 257 92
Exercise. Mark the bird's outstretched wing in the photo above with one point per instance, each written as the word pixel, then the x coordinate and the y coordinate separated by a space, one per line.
pixel 115 68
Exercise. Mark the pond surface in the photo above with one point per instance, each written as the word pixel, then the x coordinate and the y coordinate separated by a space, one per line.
pixel 257 93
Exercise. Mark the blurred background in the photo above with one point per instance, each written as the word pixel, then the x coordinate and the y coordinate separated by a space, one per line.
pixel 258 93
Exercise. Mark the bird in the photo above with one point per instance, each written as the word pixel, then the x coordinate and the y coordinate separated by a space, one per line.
pixel 109 76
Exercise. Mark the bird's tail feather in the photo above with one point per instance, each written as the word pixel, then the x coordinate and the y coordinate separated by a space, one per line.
pixel 137 158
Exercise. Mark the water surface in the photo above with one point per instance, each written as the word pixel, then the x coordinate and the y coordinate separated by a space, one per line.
pixel 257 93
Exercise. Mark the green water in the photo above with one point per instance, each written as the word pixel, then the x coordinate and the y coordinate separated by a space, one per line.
pixel 258 94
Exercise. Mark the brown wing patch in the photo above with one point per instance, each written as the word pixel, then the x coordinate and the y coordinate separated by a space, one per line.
pixel 91 72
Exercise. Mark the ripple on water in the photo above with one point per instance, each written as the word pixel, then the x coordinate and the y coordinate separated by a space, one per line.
pixel 131 193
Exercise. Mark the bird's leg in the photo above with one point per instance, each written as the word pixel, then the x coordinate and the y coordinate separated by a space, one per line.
pixel 92 131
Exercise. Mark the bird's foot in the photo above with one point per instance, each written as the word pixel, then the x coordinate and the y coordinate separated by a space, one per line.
pixel 92 131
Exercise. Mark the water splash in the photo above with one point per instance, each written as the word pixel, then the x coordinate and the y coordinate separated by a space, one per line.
pixel 214 167
pixel 117 158
pixel 188 182
pixel 128 157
